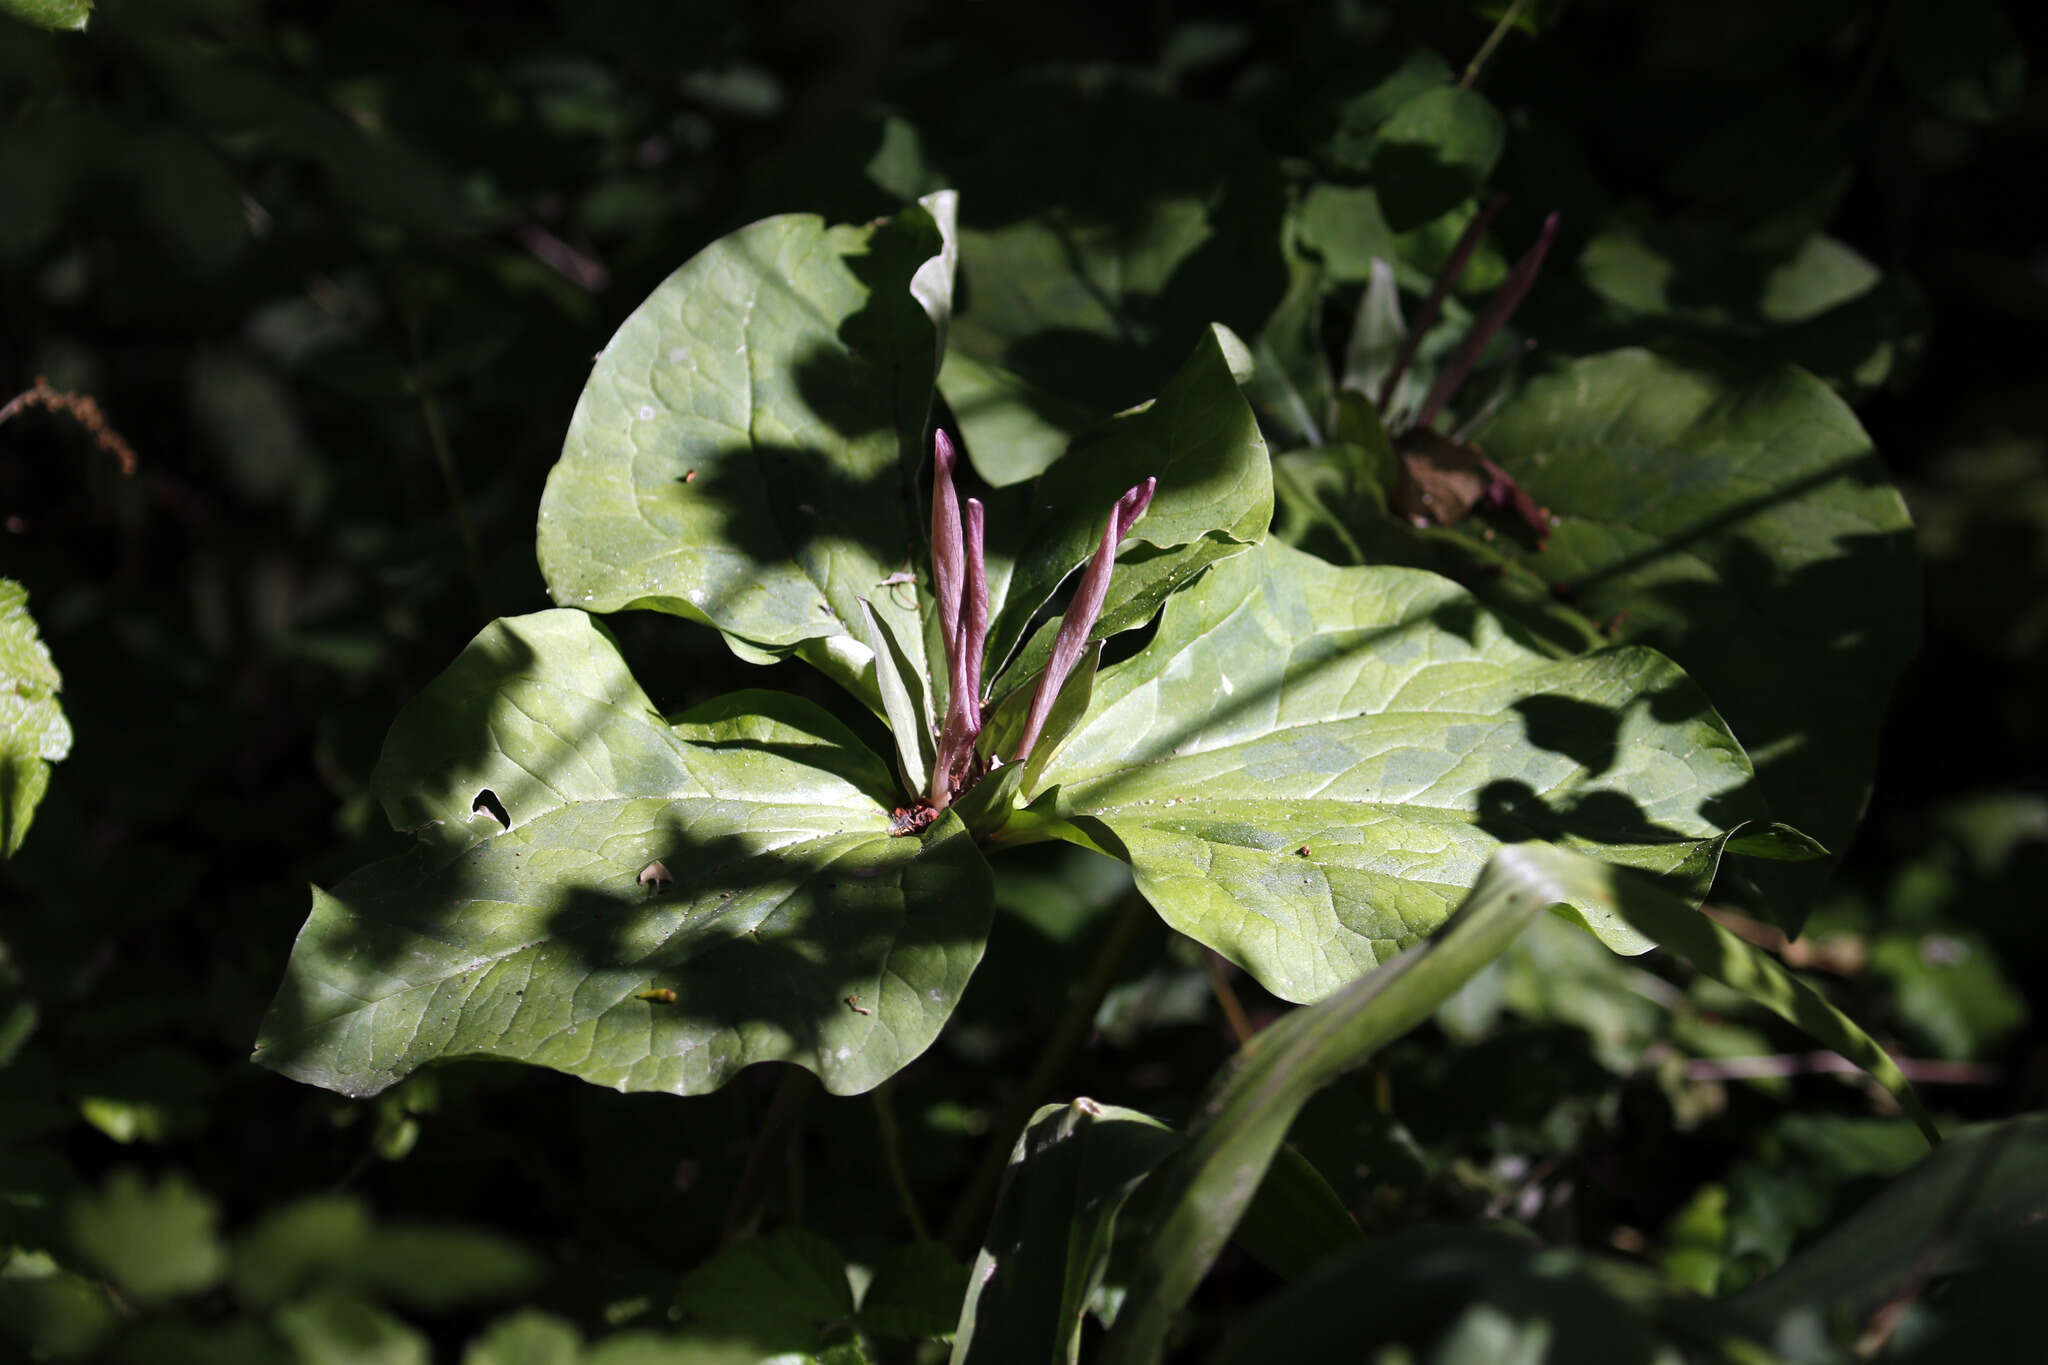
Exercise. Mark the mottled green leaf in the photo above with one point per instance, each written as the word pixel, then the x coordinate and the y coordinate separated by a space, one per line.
pixel 746 450
pixel 1215 497
pixel 1746 529
pixel 642 904
pixel 1434 152
pixel 916 1292
pixel 156 1242
pixel 56 14
pixel 1988 1181
pixel 338 1329
pixel 1814 302
pixel 1359 119
pixel 1192 1206
pixel 51 1313
pixel 1048 1244
pixel 1296 1220
pixel 1486 1296
pixel 527 1337
pixel 33 731
pixel 1307 767
pixel 782 1292
pixel 1102 229
pixel 331 1242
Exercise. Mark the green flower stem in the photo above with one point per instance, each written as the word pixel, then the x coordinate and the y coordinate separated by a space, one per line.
pixel 963 1230
pixel 777 1126
pixel 892 1156
pixel 444 458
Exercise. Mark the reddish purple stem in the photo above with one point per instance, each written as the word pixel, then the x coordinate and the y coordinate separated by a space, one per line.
pixel 975 607
pixel 1461 255
pixel 947 553
pixel 1082 613
pixel 1498 310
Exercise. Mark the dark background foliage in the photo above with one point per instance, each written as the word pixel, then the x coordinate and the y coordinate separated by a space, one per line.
pixel 337 273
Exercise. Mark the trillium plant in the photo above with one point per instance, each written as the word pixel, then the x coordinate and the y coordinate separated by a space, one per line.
pixel 1307 767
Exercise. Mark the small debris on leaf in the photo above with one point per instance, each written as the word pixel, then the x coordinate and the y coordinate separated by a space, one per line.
pixel 660 995
pixel 853 1003
pixel 914 818
pixel 1443 481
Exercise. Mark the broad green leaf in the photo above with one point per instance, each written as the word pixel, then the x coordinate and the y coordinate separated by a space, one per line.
pixel 1812 302
pixel 746 450
pixel 54 14
pixel 664 904
pixel 1434 152
pixel 639 1347
pixel 33 731
pixel 527 1337
pixel 1014 430
pixel 916 1292
pixel 906 703
pixel 1295 1221
pixel 1102 229
pixel 1359 119
pixel 1194 1203
pixel 1986 1182
pixel 1215 497
pixel 1048 1248
pixel 50 1313
pixel 1376 334
pixel 1048 1244
pixel 338 1329
pixel 1291 387
pixel 1486 1296
pixel 1748 531
pixel 331 1242
pixel 299 1246
pixel 155 1242
pixel 1307 767
pixel 1345 228
pixel 783 1292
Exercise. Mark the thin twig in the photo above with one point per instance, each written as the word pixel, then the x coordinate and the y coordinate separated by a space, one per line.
pixel 1500 31
pixel 790 1093
pixel 1233 1009
pixel 1886 1319
pixel 444 456
pixel 1919 1070
pixel 963 1229
pixel 81 408
pixel 892 1156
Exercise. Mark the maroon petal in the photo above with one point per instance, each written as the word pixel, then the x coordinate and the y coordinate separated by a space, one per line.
pixel 1082 613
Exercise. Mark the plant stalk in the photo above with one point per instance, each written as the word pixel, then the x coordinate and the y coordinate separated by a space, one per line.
pixel 892 1156
pixel 963 1229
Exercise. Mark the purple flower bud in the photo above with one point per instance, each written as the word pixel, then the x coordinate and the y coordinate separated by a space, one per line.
pixel 1082 613
pixel 1461 254
pixel 1495 315
pixel 947 554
